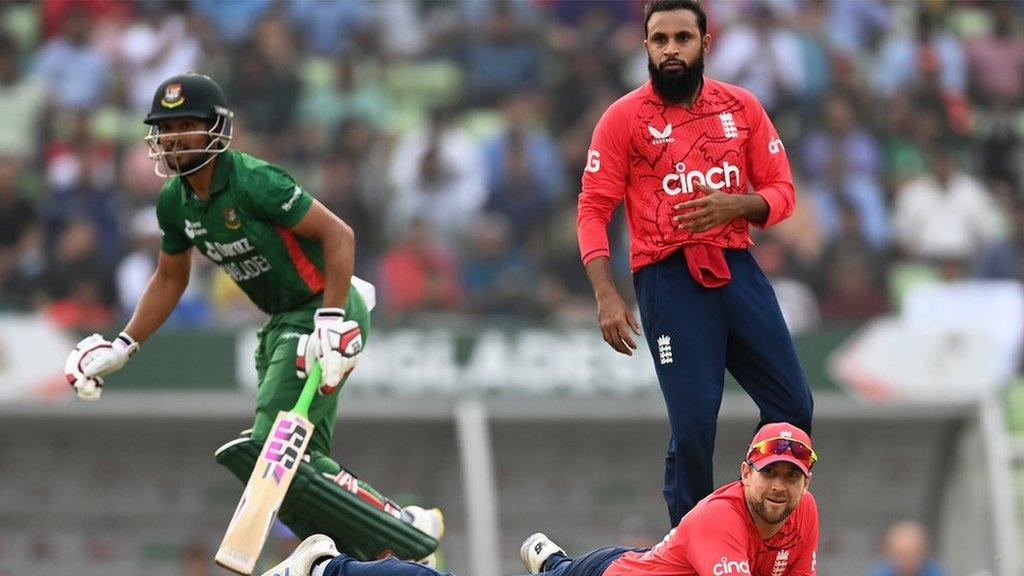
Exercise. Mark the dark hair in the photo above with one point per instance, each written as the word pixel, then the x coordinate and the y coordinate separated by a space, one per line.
pixel 694 6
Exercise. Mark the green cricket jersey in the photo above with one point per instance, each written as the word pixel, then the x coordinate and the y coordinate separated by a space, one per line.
pixel 244 228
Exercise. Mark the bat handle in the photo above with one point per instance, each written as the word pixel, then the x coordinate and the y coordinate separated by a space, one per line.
pixel 308 391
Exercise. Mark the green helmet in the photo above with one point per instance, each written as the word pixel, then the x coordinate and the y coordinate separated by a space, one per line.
pixel 188 96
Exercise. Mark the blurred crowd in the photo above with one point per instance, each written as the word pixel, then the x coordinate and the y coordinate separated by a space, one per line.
pixel 452 135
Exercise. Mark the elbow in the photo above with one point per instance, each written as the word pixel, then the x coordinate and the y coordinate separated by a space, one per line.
pixel 343 238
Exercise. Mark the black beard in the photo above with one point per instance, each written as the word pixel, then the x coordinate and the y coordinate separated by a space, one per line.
pixel 189 165
pixel 676 87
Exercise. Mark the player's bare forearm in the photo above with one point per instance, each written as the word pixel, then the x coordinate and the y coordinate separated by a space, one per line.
pixel 754 208
pixel 339 264
pixel 618 325
pixel 339 246
pixel 599 271
pixel 161 295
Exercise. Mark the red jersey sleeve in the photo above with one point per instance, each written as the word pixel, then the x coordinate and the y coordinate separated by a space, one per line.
pixel 604 182
pixel 769 166
pixel 721 545
pixel 806 563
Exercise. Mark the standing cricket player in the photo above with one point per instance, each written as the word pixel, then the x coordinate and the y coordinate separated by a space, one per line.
pixel 764 524
pixel 294 259
pixel 696 162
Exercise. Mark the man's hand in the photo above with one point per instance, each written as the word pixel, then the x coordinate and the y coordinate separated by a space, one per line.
pixel 617 321
pixel 93 358
pixel 712 209
pixel 335 343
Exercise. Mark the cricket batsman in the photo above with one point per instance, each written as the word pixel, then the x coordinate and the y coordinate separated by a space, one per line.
pixel 294 259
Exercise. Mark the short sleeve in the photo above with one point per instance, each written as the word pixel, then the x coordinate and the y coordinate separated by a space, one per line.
pixel 277 198
pixel 168 215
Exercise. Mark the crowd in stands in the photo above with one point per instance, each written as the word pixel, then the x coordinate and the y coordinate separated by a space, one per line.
pixel 452 135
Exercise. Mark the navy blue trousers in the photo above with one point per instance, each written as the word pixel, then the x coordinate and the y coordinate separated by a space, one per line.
pixel 590 564
pixel 695 334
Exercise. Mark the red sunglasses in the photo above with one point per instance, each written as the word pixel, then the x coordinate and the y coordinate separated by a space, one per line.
pixel 780 445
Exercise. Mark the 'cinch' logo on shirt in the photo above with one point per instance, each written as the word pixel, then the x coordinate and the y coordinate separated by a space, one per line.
pixel 718 177
pixel 727 566
pixel 661 136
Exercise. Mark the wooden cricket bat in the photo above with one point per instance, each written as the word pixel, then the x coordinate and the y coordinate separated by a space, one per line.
pixel 269 482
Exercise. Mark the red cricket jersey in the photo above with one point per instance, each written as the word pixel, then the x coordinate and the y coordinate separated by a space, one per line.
pixel 718 538
pixel 650 154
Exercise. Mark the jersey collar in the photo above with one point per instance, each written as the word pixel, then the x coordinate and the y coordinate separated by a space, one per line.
pixel 219 182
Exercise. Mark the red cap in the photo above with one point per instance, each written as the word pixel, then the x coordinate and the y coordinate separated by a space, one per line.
pixel 760 454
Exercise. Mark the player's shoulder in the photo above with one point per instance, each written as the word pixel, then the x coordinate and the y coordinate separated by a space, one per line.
pixel 249 167
pixel 724 506
pixel 256 181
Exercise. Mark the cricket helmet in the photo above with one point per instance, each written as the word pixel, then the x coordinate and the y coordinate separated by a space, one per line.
pixel 188 95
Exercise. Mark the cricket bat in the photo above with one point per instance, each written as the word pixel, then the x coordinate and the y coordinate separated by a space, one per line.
pixel 269 482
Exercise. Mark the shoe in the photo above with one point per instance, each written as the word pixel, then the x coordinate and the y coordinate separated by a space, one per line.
pixel 536 550
pixel 431 523
pixel 301 560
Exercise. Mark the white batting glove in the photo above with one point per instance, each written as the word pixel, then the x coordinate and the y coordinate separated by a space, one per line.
pixel 93 358
pixel 335 343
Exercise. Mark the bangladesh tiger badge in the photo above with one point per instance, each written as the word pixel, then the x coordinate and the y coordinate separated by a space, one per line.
pixel 231 219
pixel 172 96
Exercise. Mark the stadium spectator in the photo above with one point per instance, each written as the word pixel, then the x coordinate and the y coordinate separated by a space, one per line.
pixel 524 175
pixel 265 84
pixel 75 74
pixel 758 53
pixel 232 21
pixel 996 61
pixel 946 213
pixel 333 27
pixel 906 552
pixel 82 182
pixel 908 57
pixel 856 27
pixel 155 46
pixel 498 279
pixel 502 34
pixel 861 192
pixel 20 238
pixel 21 105
pixel 796 299
pixel 418 275
pixel 438 175
pixel 76 283
pixel 1004 260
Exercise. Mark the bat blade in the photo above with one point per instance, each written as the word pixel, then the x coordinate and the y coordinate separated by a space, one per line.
pixel 264 492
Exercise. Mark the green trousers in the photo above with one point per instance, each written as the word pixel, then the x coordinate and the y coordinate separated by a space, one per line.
pixel 279 386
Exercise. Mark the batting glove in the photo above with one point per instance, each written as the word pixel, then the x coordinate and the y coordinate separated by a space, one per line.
pixel 335 343
pixel 93 358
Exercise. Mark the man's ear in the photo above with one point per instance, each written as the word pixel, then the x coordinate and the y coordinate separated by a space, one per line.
pixel 807 484
pixel 745 471
pixel 705 43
